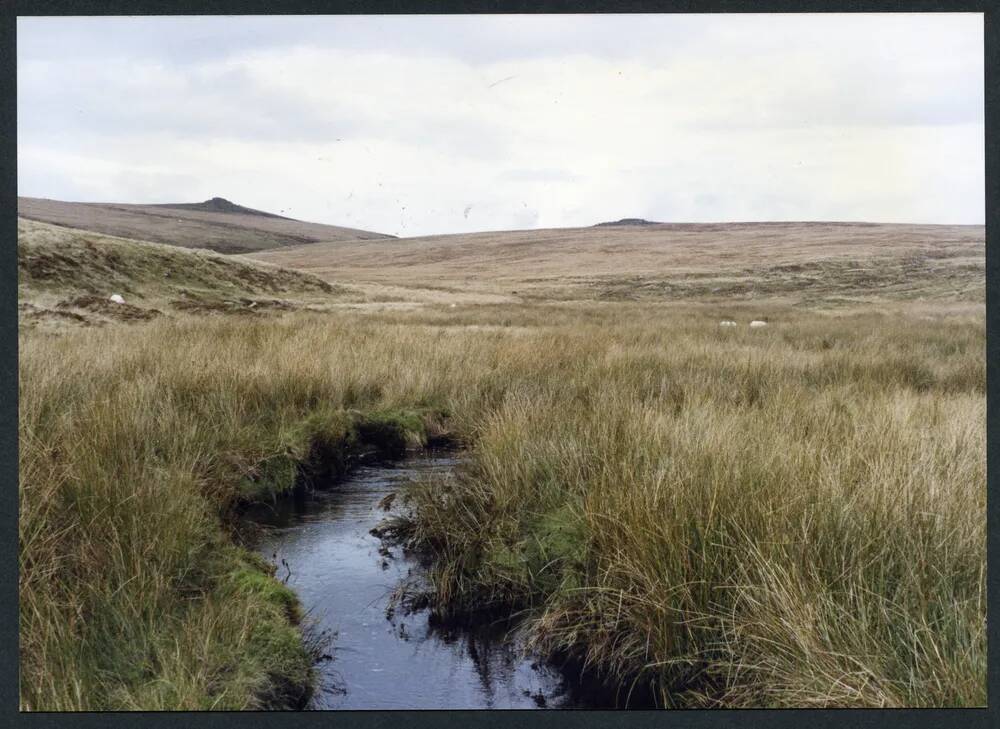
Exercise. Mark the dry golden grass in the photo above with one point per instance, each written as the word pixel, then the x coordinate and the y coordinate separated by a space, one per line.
pixel 786 517
pixel 792 516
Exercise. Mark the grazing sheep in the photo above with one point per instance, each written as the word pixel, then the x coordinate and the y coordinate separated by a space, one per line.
pixel 116 298
pixel 757 323
pixel 727 323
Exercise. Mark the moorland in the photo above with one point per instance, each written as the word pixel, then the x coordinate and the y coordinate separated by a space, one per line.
pixel 790 515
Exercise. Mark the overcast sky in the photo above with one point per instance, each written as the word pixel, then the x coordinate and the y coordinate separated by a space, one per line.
pixel 413 125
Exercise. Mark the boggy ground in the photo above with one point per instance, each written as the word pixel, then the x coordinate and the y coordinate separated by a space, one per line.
pixel 792 516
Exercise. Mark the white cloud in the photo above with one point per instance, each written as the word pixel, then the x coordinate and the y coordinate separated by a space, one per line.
pixel 736 118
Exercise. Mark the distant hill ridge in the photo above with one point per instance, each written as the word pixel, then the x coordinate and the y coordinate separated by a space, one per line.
pixel 219 205
pixel 216 224
pixel 627 221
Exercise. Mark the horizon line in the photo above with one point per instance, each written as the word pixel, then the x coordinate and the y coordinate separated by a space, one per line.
pixel 607 223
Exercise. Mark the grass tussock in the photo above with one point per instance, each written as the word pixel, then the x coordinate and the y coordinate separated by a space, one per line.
pixel 787 517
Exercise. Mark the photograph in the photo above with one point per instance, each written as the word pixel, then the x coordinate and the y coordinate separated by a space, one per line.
pixel 500 361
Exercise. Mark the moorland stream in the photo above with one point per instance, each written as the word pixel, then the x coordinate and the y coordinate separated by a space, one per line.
pixel 377 658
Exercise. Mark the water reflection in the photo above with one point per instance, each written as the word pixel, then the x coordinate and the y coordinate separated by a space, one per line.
pixel 345 577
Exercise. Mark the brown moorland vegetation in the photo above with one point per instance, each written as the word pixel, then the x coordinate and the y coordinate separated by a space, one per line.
pixel 215 224
pixel 790 516
pixel 66 276
pixel 818 264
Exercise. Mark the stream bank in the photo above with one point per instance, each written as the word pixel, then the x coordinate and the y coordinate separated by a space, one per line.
pixel 321 544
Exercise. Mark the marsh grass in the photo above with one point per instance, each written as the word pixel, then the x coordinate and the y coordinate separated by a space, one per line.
pixel 787 517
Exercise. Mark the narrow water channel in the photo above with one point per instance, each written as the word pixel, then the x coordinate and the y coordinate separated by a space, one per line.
pixel 322 547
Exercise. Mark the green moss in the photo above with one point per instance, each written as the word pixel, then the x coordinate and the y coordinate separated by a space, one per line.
pixel 270 478
pixel 275 643
pixel 506 565
pixel 559 535
pixel 260 583
pixel 555 548
pixel 549 554
pixel 290 666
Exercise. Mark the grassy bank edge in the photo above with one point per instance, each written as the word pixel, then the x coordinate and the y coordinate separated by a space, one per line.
pixel 322 451
pixel 270 662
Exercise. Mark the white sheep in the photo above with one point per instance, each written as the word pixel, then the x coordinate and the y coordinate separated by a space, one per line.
pixel 116 298
pixel 757 323
pixel 727 323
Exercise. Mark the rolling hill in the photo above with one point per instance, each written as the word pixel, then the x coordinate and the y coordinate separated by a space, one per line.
pixel 67 276
pixel 216 224
pixel 799 262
